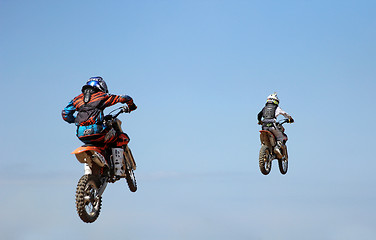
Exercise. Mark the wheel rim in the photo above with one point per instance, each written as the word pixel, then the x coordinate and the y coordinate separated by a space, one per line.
pixel 132 177
pixel 267 161
pixel 91 203
pixel 284 165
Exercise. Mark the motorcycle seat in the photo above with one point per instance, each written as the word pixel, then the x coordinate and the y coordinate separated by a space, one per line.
pixel 92 145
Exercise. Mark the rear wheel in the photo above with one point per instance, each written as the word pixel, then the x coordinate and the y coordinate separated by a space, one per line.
pixel 265 161
pixel 87 204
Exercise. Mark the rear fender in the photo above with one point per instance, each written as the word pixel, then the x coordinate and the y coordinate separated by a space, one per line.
pixel 90 155
pixel 267 138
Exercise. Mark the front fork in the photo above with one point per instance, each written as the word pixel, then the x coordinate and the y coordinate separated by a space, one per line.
pixel 104 181
pixel 284 151
pixel 129 160
pixel 101 189
pixel 87 169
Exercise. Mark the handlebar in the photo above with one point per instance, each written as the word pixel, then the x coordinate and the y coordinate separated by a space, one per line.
pixel 123 109
pixel 109 118
pixel 287 120
pixel 283 121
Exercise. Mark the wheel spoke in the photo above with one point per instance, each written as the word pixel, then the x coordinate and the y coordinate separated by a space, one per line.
pixel 87 199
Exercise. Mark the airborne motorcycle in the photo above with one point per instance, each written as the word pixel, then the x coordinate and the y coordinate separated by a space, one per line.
pixel 267 154
pixel 102 165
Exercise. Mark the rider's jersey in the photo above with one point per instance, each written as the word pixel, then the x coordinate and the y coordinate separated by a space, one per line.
pixel 270 116
pixel 268 113
pixel 90 115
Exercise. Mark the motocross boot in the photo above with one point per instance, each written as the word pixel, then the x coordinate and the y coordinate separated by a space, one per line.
pixel 277 149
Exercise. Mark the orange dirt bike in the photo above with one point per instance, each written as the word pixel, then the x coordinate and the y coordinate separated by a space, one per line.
pixel 267 154
pixel 102 165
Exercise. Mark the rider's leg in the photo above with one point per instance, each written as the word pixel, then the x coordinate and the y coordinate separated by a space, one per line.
pixel 280 137
pixel 116 141
pixel 117 156
pixel 122 139
pixel 94 139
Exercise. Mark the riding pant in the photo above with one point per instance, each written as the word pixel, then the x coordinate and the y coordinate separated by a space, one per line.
pixel 279 135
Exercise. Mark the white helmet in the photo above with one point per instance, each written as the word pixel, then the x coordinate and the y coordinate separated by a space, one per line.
pixel 272 98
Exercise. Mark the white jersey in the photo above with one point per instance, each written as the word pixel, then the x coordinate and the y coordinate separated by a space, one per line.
pixel 279 111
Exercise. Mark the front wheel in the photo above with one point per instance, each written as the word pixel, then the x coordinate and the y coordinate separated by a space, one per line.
pixel 265 161
pixel 130 166
pixel 283 163
pixel 131 179
pixel 87 204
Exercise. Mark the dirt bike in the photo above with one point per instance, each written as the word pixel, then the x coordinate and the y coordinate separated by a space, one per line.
pixel 102 165
pixel 267 153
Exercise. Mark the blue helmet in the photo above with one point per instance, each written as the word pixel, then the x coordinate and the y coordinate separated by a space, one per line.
pixel 97 83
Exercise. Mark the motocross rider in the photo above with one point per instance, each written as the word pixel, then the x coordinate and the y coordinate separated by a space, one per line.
pixel 89 120
pixel 269 114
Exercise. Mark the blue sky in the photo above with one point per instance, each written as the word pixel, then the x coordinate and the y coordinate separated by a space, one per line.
pixel 199 71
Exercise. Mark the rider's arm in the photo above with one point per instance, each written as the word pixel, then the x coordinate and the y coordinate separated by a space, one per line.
pixel 279 111
pixel 68 112
pixel 113 99
pixel 259 116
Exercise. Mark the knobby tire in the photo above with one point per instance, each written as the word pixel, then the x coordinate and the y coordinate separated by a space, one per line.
pixel 131 180
pixel 86 186
pixel 283 164
pixel 263 157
